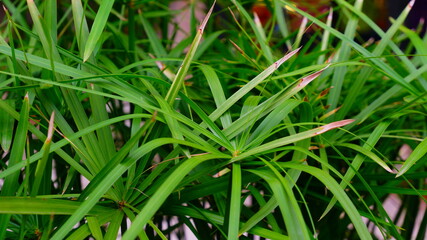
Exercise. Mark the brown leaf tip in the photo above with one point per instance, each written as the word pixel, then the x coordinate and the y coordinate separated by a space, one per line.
pixel 205 21
pixel 331 10
pixel 286 57
pixel 334 125
pixel 51 127
pixel 306 80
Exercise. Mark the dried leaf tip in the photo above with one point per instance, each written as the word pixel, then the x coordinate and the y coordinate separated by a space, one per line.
pixel 334 125
pixel 257 20
pixel 286 57
pixel 159 64
pixel 306 80
pixel 205 21
pixel 388 169
pixel 236 46
pixel 331 11
pixel 51 128
pixel 411 3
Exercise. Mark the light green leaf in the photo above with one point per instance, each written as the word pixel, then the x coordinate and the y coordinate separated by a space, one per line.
pixel 25 205
pixel 97 27
pixel 419 152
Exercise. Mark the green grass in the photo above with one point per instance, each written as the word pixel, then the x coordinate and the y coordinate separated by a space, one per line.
pixel 236 131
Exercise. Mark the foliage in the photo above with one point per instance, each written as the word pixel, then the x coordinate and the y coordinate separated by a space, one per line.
pixel 243 128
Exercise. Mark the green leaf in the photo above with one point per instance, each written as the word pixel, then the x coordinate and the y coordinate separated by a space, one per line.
pixel 250 85
pixel 259 216
pixel 25 205
pixel 388 70
pixel 115 171
pixel 367 153
pixel 94 227
pixel 182 72
pixel 373 138
pixel 166 188
pixel 291 212
pixel 235 202
pixel 259 33
pixel 339 193
pixel 97 27
pixel 419 152
pixel 156 43
pixel 7 122
pixel 42 163
pixel 11 184
pixel 217 91
pixel 292 139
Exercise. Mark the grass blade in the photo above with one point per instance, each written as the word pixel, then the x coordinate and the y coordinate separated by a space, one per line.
pixel 97 27
pixel 344 54
pixel 281 22
pixel 292 139
pixel 94 225
pixel 291 212
pixel 235 202
pixel 7 121
pixel 42 163
pixel 259 33
pixel 217 92
pixel 182 72
pixel 11 184
pixel 388 70
pixel 373 138
pixel 164 191
pixel 249 86
pixel 367 153
pixel 24 205
pixel 419 152
pixel 339 193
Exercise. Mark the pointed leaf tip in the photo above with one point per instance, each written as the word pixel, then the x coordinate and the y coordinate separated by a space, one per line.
pixel 205 20
pixel 51 127
pixel 333 125
pixel 411 3
pixel 237 47
pixel 257 20
pixel 331 11
pixel 306 80
pixel 419 152
pixel 286 57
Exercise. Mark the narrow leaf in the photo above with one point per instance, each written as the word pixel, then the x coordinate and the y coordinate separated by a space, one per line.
pixel 236 189
pixel 367 153
pixel 419 152
pixel 42 163
pixel 94 228
pixel 250 85
pixel 25 205
pixel 182 72
pixel 97 27
pixel 7 123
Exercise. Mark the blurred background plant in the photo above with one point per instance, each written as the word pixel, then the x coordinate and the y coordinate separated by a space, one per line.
pixel 235 119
